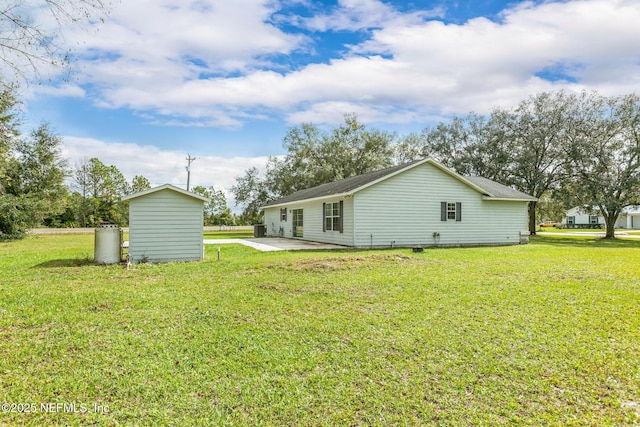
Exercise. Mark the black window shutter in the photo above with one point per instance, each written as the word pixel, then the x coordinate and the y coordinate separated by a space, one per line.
pixel 324 217
pixel 458 211
pixel 443 211
pixel 341 216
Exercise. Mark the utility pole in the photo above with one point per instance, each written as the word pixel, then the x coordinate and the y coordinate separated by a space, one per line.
pixel 189 160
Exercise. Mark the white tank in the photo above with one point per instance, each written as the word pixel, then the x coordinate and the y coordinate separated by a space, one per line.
pixel 107 244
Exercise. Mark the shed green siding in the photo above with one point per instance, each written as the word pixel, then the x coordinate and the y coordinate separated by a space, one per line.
pixel 165 226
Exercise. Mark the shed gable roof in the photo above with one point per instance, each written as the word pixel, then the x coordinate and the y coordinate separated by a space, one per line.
pixel 490 189
pixel 165 187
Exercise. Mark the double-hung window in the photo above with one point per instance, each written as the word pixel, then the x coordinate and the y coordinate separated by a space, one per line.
pixel 332 216
pixel 450 211
pixel 283 214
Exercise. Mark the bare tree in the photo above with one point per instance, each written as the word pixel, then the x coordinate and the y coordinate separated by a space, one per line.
pixel 29 45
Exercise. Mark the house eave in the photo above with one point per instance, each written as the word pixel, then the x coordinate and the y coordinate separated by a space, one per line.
pixel 314 199
pixel 508 199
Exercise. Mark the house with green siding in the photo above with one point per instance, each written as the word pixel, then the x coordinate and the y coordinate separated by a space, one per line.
pixel 417 204
pixel 165 224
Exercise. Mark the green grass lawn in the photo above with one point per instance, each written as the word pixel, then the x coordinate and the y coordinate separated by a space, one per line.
pixel 572 230
pixel 540 334
pixel 228 234
pixel 584 230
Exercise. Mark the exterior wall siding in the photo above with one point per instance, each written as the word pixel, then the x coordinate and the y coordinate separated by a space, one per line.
pixel 312 214
pixel 165 226
pixel 404 210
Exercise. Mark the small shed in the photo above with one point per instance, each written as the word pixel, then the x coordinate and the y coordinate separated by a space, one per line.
pixel 165 224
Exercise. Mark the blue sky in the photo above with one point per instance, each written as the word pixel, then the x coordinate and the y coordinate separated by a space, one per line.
pixel 224 80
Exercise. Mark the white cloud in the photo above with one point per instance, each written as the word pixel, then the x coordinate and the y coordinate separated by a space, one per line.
pixel 356 15
pixel 63 90
pixel 175 59
pixel 333 112
pixel 161 166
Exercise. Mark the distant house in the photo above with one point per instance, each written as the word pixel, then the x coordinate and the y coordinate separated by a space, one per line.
pixel 632 216
pixel 580 217
pixel 421 203
pixel 165 224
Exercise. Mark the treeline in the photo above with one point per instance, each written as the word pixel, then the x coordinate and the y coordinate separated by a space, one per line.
pixel 39 188
pixel 565 149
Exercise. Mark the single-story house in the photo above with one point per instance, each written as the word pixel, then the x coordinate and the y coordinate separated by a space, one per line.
pixel 580 217
pixel 417 204
pixel 166 224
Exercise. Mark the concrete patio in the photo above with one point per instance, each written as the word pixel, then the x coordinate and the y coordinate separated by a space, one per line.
pixel 269 244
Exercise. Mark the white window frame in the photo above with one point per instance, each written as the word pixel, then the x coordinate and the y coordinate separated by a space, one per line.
pixel 451 211
pixel 332 216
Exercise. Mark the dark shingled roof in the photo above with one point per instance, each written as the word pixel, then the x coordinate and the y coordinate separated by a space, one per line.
pixel 345 186
pixel 339 187
pixel 498 190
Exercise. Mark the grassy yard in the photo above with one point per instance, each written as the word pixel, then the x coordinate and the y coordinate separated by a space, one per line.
pixel 228 234
pixel 585 230
pixel 542 334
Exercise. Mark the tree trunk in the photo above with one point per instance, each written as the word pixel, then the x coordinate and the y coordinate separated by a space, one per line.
pixel 610 223
pixel 532 217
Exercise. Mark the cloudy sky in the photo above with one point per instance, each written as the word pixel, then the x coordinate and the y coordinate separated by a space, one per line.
pixel 224 80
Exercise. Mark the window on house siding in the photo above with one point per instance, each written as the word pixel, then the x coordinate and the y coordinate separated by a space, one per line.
pixel 593 220
pixel 571 220
pixel 450 211
pixel 283 214
pixel 333 216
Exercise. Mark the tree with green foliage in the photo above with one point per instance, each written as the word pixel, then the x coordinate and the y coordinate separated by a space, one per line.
pixel 524 147
pixel 9 132
pixel 606 157
pixel 101 188
pixel 538 132
pixel 139 183
pixel 469 145
pixel 216 211
pixel 550 207
pixel 32 174
pixel 313 158
pixel 250 191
